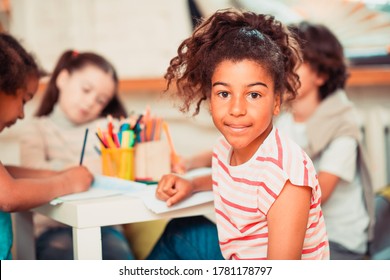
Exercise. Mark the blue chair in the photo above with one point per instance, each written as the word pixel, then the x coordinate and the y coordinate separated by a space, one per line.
pixel 380 245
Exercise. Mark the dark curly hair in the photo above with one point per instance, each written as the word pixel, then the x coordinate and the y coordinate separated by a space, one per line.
pixel 71 61
pixel 324 53
pixel 233 35
pixel 16 65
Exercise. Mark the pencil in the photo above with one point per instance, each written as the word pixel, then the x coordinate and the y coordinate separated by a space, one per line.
pixel 82 151
pixel 175 158
pixel 101 141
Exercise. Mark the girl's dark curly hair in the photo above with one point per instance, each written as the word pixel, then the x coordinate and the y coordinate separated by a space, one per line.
pixel 71 61
pixel 324 53
pixel 16 65
pixel 233 35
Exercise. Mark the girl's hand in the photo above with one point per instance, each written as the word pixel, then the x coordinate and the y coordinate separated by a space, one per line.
pixel 172 189
pixel 179 165
pixel 77 179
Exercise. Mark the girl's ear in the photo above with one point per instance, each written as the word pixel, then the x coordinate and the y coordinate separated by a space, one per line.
pixel 277 105
pixel 321 79
pixel 62 78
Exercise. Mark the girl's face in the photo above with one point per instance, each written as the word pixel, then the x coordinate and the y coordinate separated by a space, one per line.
pixel 12 106
pixel 84 93
pixel 243 104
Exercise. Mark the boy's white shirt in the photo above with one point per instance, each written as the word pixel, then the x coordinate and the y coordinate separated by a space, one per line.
pixel 346 202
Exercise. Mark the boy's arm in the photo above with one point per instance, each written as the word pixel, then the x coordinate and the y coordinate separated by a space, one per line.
pixel 24 172
pixel 24 194
pixel 328 183
pixel 287 222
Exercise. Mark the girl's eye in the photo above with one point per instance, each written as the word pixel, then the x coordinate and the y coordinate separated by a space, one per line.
pixel 223 94
pixel 101 101
pixel 86 90
pixel 254 95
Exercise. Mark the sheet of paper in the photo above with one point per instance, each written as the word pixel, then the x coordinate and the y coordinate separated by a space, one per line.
pixel 103 186
pixel 117 184
pixel 158 206
pixel 91 193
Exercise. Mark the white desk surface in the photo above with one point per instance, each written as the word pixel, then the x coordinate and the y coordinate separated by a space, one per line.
pixel 87 216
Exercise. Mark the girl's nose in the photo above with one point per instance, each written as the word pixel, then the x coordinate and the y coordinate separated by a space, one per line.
pixel 237 107
pixel 89 101
pixel 21 113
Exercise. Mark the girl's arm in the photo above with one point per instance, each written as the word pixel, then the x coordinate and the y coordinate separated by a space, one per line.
pixel 23 194
pixel 173 189
pixel 287 222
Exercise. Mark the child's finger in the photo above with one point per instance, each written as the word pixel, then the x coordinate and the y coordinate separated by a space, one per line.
pixel 160 194
pixel 179 196
pixel 166 188
pixel 168 185
pixel 170 190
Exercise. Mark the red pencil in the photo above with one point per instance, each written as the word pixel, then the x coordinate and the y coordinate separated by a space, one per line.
pixel 110 126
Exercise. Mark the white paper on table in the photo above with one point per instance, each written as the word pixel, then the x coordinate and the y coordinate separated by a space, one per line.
pixel 91 193
pixel 158 206
pixel 117 184
pixel 103 186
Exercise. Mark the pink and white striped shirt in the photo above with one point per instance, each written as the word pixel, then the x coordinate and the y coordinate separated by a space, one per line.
pixel 245 193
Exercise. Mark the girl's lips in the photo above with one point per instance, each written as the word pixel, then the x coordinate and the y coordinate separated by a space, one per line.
pixel 237 128
pixel 84 112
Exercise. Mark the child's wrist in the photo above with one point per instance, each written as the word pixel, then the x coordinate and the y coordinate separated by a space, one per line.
pixel 188 164
pixel 195 185
pixel 64 183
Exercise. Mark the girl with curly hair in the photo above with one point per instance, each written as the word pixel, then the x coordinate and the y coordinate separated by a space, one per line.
pixel 266 193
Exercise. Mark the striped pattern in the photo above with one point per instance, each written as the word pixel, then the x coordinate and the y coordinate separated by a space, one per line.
pixel 245 193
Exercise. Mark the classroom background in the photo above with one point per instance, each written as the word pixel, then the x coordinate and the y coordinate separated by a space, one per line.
pixel 139 38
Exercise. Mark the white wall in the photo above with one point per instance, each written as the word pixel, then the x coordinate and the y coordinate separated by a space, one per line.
pixel 373 103
pixel 139 37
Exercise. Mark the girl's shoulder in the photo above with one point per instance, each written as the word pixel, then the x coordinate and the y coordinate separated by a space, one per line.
pixel 280 145
pixel 295 163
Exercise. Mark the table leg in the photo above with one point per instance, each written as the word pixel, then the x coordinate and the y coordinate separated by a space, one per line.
pixel 87 243
pixel 24 242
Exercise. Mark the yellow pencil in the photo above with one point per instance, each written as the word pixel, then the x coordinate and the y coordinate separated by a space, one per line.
pixel 110 142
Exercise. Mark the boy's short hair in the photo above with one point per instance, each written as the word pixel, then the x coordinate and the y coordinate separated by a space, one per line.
pixel 324 53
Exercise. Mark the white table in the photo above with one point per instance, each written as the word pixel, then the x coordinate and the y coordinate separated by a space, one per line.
pixel 87 216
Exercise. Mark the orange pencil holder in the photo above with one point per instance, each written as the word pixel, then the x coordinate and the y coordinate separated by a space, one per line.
pixel 118 162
